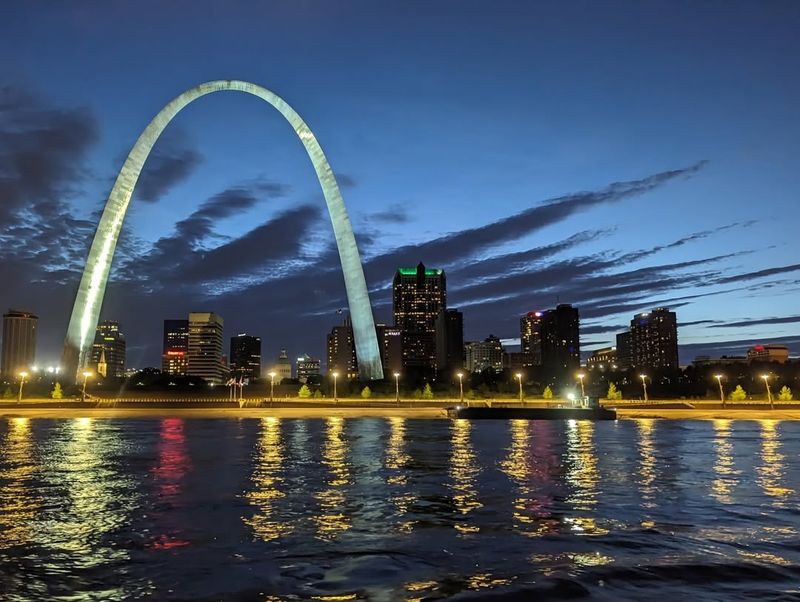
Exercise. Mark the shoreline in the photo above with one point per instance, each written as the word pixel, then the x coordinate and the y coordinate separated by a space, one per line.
pixel 320 411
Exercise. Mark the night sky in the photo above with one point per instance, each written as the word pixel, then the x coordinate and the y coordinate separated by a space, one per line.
pixel 614 155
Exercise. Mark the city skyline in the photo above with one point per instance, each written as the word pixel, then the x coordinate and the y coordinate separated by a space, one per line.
pixel 564 209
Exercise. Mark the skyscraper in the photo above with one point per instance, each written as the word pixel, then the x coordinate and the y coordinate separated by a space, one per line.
pixel 450 340
pixel 19 341
pixel 246 356
pixel 390 339
pixel 530 337
pixel 561 349
pixel 342 350
pixel 109 342
pixel 654 340
pixel 419 295
pixel 175 351
pixel 205 347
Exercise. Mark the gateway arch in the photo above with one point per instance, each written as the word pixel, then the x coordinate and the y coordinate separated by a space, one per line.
pixel 88 301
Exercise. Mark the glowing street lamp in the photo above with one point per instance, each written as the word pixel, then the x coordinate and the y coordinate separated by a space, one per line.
pixel 335 375
pixel 581 376
pixel 397 387
pixel 22 376
pixel 460 376
pixel 519 378
pixel 769 393
pixel 721 392
pixel 644 384
pixel 86 376
pixel 271 386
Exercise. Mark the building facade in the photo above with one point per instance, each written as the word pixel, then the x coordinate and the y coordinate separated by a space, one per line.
pixel 450 341
pixel 19 341
pixel 654 340
pixel 603 359
pixel 480 355
pixel 419 294
pixel 245 357
pixel 205 347
pixel 175 349
pixel 530 338
pixel 109 345
pixel 341 350
pixel 560 336
pixel 307 366
pixel 283 366
pixel 768 353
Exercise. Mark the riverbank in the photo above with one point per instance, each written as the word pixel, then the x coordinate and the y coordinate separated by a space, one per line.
pixel 329 411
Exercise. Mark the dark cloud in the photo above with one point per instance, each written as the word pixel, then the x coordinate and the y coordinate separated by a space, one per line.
pixel 765 273
pixel 171 162
pixel 346 181
pixel 757 322
pixel 395 214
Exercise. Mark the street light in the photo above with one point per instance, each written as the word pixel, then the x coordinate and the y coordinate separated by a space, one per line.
pixel 335 375
pixel 581 376
pixel 769 393
pixel 86 376
pixel 271 386
pixel 721 392
pixel 519 378
pixel 460 376
pixel 644 384
pixel 397 387
pixel 22 376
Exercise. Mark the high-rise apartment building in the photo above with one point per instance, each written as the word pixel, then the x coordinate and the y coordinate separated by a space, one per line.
pixel 418 297
pixel 390 340
pixel 481 355
pixel 307 366
pixel 245 356
pixel 342 350
pixel 205 347
pixel 175 349
pixel 624 358
pixel 109 344
pixel 530 337
pixel 19 342
pixel 654 340
pixel 450 340
pixel 560 336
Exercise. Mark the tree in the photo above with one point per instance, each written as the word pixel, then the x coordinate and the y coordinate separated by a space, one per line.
pixel 785 394
pixel 417 394
pixel 427 392
pixel 738 394
pixel 304 392
pixel 317 394
pixel 57 393
pixel 613 393
pixel 8 393
pixel 366 393
pixel 547 393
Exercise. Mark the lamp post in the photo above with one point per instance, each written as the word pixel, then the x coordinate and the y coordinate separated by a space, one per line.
pixel 335 376
pixel 519 378
pixel 22 376
pixel 644 385
pixel 271 387
pixel 581 376
pixel 397 387
pixel 721 392
pixel 769 393
pixel 86 376
pixel 460 376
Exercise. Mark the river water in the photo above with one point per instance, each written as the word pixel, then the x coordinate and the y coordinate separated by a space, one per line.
pixel 397 509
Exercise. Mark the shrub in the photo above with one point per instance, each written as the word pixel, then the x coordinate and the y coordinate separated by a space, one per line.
pixel 427 392
pixel 547 393
pixel 317 394
pixel 57 393
pixel 366 393
pixel 613 392
pixel 304 392
pixel 8 393
pixel 417 394
pixel 785 394
pixel 738 394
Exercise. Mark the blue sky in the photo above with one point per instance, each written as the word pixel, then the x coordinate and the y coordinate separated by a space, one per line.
pixel 442 118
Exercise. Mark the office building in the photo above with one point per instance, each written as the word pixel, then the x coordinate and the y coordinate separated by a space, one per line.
pixel 450 340
pixel 768 353
pixel 390 339
pixel 530 338
pixel 419 294
pixel 560 338
pixel 109 344
pixel 624 357
pixel 480 355
pixel 307 366
pixel 19 342
pixel 603 359
pixel 175 348
pixel 245 357
pixel 341 350
pixel 654 340
pixel 205 347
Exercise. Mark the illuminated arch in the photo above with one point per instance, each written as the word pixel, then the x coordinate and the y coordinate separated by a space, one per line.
pixel 88 301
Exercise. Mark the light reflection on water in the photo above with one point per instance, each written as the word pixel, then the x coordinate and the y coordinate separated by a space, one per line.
pixel 396 508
